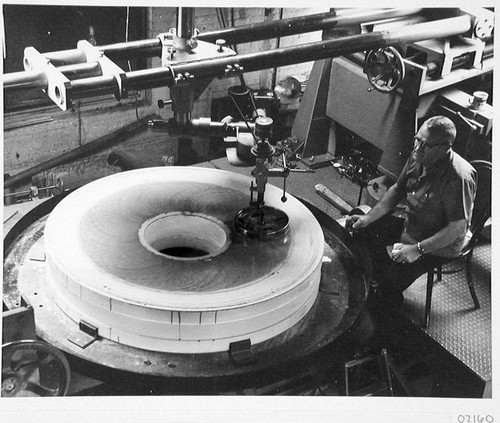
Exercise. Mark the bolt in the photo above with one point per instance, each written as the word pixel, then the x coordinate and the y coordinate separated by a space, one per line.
pixel 221 44
pixel 170 51
pixel 9 386
pixel 192 43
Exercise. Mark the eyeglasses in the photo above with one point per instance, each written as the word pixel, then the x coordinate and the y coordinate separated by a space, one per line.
pixel 420 143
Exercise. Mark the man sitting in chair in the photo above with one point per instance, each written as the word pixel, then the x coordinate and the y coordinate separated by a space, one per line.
pixel 438 188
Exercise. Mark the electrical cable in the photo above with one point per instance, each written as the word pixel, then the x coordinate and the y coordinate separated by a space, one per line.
pixel 222 23
pixel 243 117
pixel 81 127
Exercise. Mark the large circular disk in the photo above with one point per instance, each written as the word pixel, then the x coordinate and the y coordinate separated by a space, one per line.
pixel 152 259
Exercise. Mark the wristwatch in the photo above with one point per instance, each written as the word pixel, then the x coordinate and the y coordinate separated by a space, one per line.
pixel 420 249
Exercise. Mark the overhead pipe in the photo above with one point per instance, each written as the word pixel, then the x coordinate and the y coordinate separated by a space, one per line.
pixel 254 32
pixel 93 87
pixel 133 49
pixel 185 22
pixel 262 31
pixel 350 44
pixel 217 68
pixel 303 24
pixel 28 80
pixel 246 33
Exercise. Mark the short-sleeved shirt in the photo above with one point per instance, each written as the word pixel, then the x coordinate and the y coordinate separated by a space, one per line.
pixel 435 197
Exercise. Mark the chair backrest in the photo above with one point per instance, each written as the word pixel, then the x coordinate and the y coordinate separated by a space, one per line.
pixel 482 202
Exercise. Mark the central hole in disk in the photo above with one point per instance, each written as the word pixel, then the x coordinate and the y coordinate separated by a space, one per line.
pixel 184 236
pixel 184 252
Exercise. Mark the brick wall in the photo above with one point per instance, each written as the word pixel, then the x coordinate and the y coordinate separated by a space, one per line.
pixel 40 135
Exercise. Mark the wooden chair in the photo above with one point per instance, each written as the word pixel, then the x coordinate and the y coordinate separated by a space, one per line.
pixel 480 214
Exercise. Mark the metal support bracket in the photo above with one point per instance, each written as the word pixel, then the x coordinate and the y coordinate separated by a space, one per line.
pixel 240 352
pixel 172 43
pixel 85 336
pixel 176 50
pixel 56 81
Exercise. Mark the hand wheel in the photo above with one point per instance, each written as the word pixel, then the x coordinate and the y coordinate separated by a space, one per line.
pixel 33 368
pixel 385 69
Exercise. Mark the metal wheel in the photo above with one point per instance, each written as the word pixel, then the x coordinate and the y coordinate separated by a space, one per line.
pixel 33 368
pixel 385 69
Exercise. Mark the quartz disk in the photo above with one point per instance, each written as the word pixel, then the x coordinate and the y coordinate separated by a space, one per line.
pixel 152 259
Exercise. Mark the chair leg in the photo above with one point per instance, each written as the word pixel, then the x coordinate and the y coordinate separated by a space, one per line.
pixel 428 299
pixel 468 271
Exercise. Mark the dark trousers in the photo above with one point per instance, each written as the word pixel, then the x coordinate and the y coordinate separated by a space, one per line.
pixel 390 277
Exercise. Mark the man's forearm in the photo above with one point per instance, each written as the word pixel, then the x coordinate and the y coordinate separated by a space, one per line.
pixel 445 236
pixel 386 204
pixel 408 250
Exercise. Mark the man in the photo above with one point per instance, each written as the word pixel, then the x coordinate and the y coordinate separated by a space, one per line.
pixel 438 188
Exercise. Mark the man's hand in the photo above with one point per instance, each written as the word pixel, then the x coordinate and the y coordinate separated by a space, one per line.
pixel 405 253
pixel 356 222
